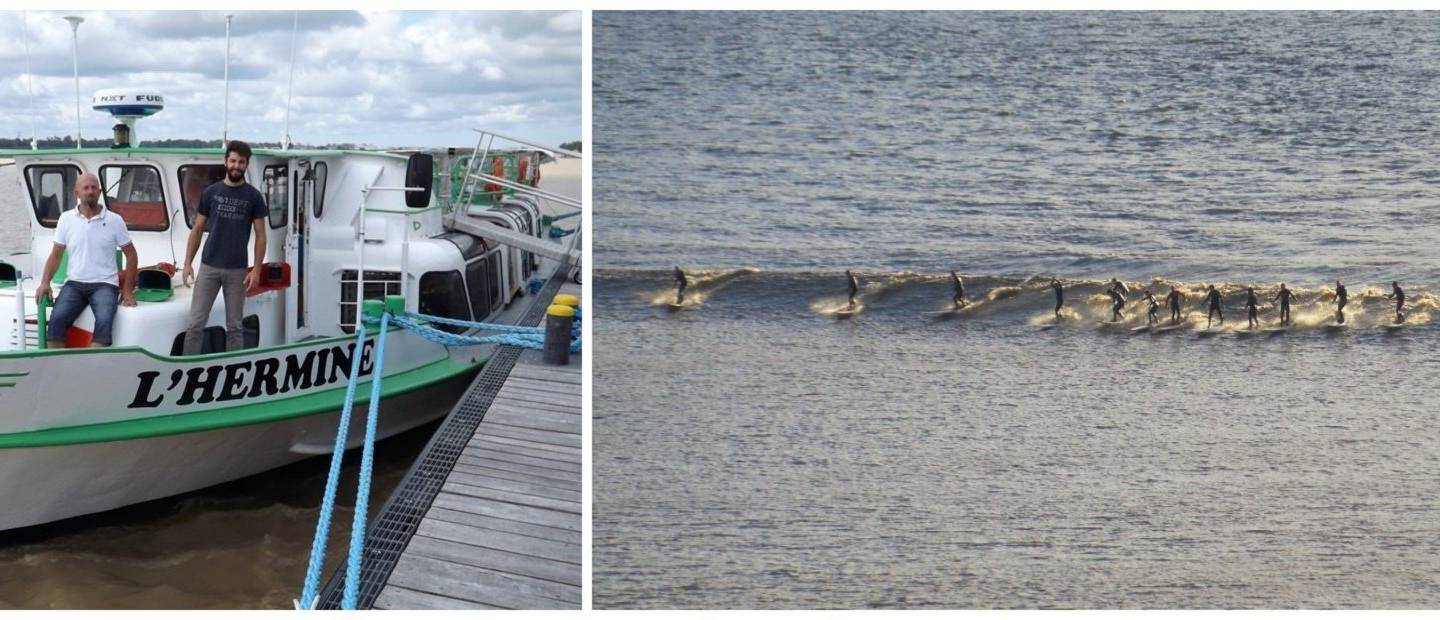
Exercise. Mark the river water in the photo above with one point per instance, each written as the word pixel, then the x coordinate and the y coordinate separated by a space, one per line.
pixel 754 450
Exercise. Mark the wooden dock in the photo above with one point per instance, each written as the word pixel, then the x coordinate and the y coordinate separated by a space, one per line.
pixel 504 531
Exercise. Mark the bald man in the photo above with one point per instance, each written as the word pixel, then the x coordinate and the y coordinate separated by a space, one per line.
pixel 90 233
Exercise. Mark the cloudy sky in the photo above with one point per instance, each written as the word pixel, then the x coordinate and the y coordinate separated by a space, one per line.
pixel 384 78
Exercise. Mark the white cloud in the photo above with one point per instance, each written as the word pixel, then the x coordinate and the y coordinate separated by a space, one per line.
pixel 403 78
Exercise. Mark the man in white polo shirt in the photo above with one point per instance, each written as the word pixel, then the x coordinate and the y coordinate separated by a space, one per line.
pixel 90 233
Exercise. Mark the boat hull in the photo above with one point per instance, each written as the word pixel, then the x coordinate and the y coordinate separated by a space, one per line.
pixel 49 483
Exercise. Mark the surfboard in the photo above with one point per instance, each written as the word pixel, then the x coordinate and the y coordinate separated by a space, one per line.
pixel 1393 326
pixel 942 313
pixel 1169 328
pixel 1206 332
pixel 674 306
pixel 845 314
pixel 1276 330
pixel 1142 328
pixel 1336 327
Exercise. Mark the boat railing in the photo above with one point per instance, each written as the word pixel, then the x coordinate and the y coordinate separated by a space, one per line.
pixel 474 178
pixel 360 239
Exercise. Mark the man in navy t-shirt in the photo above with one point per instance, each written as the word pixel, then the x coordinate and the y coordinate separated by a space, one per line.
pixel 229 210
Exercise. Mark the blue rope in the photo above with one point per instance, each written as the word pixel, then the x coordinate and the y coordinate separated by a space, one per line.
pixel 367 459
pixel 517 336
pixel 494 327
pixel 557 232
pixel 529 338
pixel 308 597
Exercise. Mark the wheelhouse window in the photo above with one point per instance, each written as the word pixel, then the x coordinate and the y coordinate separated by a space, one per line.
pixel 193 181
pixel 134 193
pixel 442 293
pixel 321 170
pixel 277 194
pixel 52 191
pixel 378 284
pixel 486 290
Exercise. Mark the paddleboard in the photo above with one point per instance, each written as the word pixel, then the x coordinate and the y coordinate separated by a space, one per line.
pixel 1276 330
pixel 845 314
pixel 1394 326
pixel 1245 333
pixel 1206 332
pixel 1336 327
pixel 1169 328
pixel 1142 328
pixel 674 306
pixel 942 313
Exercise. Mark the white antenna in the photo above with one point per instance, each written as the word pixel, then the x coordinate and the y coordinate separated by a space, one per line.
pixel 75 58
pixel 285 143
pixel 29 79
pixel 225 130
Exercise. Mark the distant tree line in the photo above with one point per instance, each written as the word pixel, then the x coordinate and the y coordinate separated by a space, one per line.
pixel 66 142
pixel 572 146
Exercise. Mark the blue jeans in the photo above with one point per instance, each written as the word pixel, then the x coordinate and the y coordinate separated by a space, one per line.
pixel 102 297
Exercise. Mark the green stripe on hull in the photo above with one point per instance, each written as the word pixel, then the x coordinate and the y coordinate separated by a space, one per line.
pixel 237 415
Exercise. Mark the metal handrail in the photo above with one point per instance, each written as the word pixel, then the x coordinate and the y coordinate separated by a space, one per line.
pixel 575 154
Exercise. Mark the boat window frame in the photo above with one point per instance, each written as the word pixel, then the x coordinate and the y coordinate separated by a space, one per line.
pixel 160 177
pixel 321 174
pixel 34 199
pixel 267 178
pixel 185 207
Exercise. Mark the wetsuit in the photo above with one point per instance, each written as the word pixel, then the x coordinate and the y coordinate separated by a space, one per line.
pixel 1214 298
pixel 1174 298
pixel 959 290
pixel 1119 303
pixel 1342 298
pixel 854 287
pixel 1154 308
pixel 1059 296
pixel 1399 297
pixel 1284 298
pixel 680 282
pixel 1252 306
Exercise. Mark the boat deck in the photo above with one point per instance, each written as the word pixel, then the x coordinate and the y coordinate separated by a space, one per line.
pixel 502 525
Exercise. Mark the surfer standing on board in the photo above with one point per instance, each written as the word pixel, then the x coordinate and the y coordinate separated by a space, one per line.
pixel 1174 298
pixel 1059 295
pixel 959 291
pixel 680 283
pixel 1399 296
pixel 854 287
pixel 1252 306
pixel 1119 297
pixel 1213 296
pixel 1154 308
pixel 1284 297
pixel 1341 298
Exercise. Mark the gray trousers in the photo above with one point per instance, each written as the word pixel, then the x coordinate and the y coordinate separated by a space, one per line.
pixel 208 282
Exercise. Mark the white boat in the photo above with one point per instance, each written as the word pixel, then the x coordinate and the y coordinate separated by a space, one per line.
pixel 84 430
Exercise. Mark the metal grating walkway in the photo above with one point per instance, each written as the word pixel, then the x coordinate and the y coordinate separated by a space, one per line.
pixel 443 558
